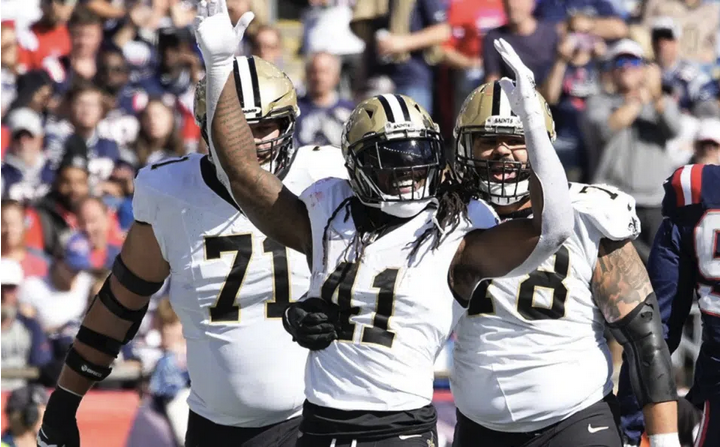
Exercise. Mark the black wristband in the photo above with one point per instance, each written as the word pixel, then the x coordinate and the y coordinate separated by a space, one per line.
pixel 62 405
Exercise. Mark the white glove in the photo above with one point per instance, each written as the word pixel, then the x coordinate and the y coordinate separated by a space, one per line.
pixel 218 41
pixel 664 440
pixel 521 93
pixel 217 38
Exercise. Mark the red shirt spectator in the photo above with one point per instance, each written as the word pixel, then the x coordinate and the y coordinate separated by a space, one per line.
pixel 33 262
pixel 470 20
pixel 53 41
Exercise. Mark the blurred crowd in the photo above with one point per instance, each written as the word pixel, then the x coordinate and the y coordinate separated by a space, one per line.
pixel 94 90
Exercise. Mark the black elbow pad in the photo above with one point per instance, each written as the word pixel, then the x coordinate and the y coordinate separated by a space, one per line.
pixel 641 335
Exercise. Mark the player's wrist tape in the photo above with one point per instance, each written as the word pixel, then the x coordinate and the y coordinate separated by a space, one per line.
pixel 85 368
pixel 101 342
pixel 641 335
pixel 131 281
pixel 664 440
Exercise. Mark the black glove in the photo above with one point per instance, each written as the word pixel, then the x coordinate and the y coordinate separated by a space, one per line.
pixel 59 426
pixel 312 323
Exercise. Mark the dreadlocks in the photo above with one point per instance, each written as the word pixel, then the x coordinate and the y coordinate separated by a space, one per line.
pixel 453 198
pixel 452 201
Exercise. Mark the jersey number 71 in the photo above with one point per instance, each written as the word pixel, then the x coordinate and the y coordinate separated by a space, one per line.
pixel 226 309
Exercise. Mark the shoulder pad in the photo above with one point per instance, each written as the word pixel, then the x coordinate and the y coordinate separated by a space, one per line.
pixel 325 195
pixel 320 162
pixel 607 209
pixel 156 182
pixel 692 185
pixel 481 214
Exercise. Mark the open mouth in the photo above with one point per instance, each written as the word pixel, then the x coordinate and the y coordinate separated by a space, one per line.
pixel 501 174
pixel 405 186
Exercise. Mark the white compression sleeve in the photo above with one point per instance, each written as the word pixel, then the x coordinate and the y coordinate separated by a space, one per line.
pixel 217 76
pixel 557 213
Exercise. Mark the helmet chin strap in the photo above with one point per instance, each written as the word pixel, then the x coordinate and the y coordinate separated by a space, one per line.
pixel 402 209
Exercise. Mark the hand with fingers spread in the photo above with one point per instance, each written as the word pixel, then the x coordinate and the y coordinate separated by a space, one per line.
pixel 521 92
pixel 217 38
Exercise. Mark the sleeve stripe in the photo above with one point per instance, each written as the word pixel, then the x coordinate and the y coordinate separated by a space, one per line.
pixel 687 183
pixel 677 187
pixel 696 183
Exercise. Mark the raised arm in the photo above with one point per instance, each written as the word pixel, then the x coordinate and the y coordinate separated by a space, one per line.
pixel 518 247
pixel 111 321
pixel 275 210
pixel 622 290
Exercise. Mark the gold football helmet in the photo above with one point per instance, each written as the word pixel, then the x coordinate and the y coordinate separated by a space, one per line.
pixel 486 114
pixel 394 154
pixel 265 94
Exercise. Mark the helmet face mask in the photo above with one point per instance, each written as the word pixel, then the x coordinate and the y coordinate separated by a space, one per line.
pixel 266 94
pixel 396 170
pixel 394 154
pixel 275 154
pixel 502 181
pixel 485 121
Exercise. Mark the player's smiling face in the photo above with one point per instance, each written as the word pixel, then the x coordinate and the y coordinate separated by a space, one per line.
pixel 265 132
pixel 500 148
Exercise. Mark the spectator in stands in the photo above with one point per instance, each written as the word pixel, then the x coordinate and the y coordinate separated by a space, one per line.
pixel 535 41
pixel 178 70
pixel 267 43
pixel 24 412
pixel 602 18
pixel 322 111
pixel 158 137
pixel 12 240
pixel 61 296
pixel 8 64
pixel 697 20
pixel 86 111
pixel 86 34
pixel 682 79
pixel 117 193
pixel 49 37
pixel 122 100
pixel 24 343
pixel 24 162
pixel 574 77
pixel 171 375
pixel 54 215
pixel 707 143
pixel 627 132
pixel 34 91
pixel 409 43
pixel 470 21
pixel 96 224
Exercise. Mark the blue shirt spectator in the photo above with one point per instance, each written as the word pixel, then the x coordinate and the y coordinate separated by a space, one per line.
pixel 682 79
pixel 23 342
pixel 536 49
pixel 23 165
pixel 407 65
pixel 602 18
pixel 322 111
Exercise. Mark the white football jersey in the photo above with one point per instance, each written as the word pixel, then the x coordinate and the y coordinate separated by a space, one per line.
pixel 530 350
pixel 400 310
pixel 230 285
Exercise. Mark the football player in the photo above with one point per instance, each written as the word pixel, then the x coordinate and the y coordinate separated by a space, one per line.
pixel 531 366
pixel 388 249
pixel 684 264
pixel 230 284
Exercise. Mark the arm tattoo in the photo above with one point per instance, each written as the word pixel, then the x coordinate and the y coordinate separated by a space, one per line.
pixel 620 281
pixel 274 209
pixel 231 135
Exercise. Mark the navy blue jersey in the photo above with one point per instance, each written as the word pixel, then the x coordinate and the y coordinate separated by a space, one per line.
pixel 684 265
